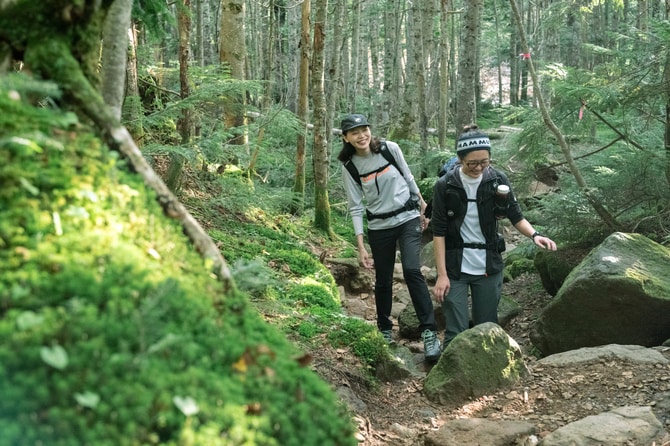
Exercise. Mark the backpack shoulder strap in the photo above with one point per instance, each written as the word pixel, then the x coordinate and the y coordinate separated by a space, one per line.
pixel 349 165
pixel 386 153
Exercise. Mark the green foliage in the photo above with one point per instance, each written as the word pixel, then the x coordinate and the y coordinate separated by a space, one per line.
pixel 313 295
pixel 363 339
pixel 109 331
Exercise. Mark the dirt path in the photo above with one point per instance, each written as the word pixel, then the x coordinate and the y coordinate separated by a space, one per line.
pixel 397 413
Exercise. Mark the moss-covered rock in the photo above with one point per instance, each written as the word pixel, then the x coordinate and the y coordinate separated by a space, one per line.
pixel 476 362
pixel 619 294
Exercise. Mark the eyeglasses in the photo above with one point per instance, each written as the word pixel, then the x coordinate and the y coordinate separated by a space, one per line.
pixel 474 164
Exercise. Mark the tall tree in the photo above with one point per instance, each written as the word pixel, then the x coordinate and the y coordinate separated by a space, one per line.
pixel 115 53
pixel 132 107
pixel 303 107
pixel 321 161
pixel 184 123
pixel 232 54
pixel 443 104
pixel 466 108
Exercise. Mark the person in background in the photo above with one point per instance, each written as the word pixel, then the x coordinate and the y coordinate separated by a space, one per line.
pixel 467 205
pixel 392 202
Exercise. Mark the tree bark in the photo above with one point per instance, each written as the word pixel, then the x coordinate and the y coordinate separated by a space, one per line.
pixel 320 157
pixel 303 109
pixel 132 108
pixel 233 52
pixel 114 54
pixel 466 111
pixel 443 105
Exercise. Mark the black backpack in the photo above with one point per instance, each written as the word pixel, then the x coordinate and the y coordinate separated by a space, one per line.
pixel 385 152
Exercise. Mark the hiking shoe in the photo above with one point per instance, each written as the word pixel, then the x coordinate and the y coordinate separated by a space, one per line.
pixel 388 336
pixel 431 345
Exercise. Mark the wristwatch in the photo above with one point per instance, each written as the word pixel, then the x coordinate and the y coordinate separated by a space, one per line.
pixel 535 234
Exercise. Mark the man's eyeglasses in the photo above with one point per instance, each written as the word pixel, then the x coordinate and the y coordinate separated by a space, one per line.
pixel 474 164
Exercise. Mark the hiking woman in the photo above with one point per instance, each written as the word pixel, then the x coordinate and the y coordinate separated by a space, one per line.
pixel 379 184
pixel 466 241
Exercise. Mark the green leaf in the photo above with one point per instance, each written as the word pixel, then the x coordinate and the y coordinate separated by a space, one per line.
pixel 28 319
pixel 87 399
pixel 55 356
pixel 186 405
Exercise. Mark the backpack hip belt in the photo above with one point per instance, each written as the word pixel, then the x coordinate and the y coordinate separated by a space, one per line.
pixel 409 206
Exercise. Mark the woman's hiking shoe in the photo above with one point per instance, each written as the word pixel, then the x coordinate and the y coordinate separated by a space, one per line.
pixel 431 345
pixel 388 336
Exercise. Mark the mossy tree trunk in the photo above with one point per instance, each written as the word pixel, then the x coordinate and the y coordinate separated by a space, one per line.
pixel 303 110
pixel 61 44
pixel 320 150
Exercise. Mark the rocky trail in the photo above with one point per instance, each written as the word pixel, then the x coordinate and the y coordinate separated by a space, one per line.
pixel 397 413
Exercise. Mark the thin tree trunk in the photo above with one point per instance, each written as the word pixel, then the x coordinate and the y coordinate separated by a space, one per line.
pixel 443 106
pixel 132 107
pixel 320 157
pixel 303 104
pixel 115 53
pixel 466 111
pixel 334 78
pixel 184 123
pixel 233 52
pixel 69 76
pixel 419 77
pixel 606 217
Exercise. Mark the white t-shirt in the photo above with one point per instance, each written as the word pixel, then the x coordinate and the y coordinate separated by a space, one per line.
pixel 474 260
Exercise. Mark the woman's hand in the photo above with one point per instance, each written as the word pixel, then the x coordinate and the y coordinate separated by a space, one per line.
pixel 364 259
pixel 441 288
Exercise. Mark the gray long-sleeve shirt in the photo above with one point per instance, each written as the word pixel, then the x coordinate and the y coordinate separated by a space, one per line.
pixel 381 192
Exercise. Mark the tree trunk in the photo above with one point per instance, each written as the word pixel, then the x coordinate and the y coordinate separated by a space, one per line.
pixel 132 107
pixel 419 69
pixel 443 107
pixel 320 157
pixel 334 72
pixel 232 52
pixel 114 54
pixel 466 111
pixel 303 109
pixel 56 58
pixel 184 123
pixel 354 74
pixel 606 217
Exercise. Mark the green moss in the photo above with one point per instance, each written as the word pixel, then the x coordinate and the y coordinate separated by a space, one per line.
pixel 93 270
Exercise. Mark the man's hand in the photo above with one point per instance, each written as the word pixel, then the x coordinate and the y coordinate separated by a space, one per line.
pixel 441 288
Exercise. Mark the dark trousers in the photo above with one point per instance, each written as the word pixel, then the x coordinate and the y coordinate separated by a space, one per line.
pixel 383 243
pixel 485 291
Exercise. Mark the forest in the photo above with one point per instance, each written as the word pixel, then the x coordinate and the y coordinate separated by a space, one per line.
pixel 170 187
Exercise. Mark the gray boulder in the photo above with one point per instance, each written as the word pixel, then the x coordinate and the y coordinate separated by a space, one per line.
pixel 478 361
pixel 480 431
pixel 619 294
pixel 622 426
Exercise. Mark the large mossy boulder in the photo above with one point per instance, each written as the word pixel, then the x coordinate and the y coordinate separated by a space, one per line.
pixel 554 266
pixel 619 294
pixel 478 361
pixel 113 331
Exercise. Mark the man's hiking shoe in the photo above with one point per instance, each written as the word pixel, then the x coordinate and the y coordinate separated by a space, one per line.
pixel 431 345
pixel 388 336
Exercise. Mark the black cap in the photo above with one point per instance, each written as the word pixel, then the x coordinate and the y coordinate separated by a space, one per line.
pixel 352 121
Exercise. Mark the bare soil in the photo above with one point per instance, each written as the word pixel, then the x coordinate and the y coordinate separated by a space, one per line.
pixel 397 413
